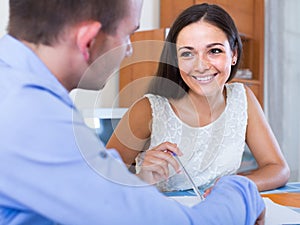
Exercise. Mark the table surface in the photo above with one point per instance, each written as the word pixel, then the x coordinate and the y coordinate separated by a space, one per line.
pixel 286 199
pixel 288 195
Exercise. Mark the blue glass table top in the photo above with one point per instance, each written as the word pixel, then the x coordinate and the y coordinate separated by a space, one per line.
pixel 289 187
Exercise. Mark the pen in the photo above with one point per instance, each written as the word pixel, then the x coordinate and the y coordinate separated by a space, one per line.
pixel 195 188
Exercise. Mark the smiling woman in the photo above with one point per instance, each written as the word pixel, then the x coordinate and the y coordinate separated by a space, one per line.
pixel 193 111
pixel 205 57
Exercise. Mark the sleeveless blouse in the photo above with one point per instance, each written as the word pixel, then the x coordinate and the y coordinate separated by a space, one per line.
pixel 209 152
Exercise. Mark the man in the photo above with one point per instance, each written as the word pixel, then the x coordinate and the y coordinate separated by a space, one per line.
pixel 54 169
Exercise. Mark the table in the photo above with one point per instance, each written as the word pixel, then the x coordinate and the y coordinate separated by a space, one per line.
pixel 288 195
pixel 286 199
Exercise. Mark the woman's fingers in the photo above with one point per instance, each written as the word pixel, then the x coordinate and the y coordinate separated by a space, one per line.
pixel 157 160
pixel 168 146
pixel 163 158
pixel 153 172
pixel 165 151
pixel 155 164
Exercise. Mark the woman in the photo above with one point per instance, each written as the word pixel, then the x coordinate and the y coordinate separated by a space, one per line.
pixel 192 111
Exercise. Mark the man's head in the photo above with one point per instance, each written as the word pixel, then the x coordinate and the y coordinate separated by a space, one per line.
pixel 42 21
pixel 76 33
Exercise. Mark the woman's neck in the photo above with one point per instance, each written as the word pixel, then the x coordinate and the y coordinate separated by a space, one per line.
pixel 198 111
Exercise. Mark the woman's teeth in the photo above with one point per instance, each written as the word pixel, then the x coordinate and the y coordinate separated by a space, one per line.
pixel 206 78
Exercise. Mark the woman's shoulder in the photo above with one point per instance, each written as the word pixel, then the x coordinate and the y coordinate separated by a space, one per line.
pixel 157 100
pixel 235 89
pixel 140 105
pixel 139 111
pixel 236 96
pixel 147 103
pixel 235 86
pixel 155 97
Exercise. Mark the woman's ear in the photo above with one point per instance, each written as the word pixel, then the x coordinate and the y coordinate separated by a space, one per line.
pixel 234 57
pixel 86 33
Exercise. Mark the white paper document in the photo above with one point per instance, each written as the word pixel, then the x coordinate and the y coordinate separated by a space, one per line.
pixel 275 214
pixel 278 214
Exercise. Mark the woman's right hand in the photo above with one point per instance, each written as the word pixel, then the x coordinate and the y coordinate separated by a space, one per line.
pixel 155 166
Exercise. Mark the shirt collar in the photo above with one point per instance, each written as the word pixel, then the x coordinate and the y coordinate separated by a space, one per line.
pixel 18 56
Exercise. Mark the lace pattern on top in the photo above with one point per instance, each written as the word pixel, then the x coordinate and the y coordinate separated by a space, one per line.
pixel 209 152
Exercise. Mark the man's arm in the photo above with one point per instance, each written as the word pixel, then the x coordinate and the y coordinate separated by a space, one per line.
pixel 65 174
pixel 233 200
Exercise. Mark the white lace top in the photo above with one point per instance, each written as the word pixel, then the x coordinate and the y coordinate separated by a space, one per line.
pixel 209 152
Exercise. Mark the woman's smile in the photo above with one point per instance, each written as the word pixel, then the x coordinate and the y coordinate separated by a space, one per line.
pixel 204 79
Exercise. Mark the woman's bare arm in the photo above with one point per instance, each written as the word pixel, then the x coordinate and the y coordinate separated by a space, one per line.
pixel 273 170
pixel 133 131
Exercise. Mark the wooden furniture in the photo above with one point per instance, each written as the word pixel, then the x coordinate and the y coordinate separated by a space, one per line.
pixel 286 199
pixel 136 71
pixel 248 15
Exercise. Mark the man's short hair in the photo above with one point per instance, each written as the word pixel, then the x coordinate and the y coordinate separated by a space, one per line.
pixel 42 21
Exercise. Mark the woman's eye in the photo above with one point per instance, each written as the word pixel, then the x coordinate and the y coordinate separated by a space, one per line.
pixel 216 50
pixel 186 54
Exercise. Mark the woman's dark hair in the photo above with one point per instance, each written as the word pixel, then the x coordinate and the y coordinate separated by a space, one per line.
pixel 42 21
pixel 168 71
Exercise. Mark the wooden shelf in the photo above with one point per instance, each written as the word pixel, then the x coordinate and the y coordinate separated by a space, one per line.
pixel 136 71
pixel 250 81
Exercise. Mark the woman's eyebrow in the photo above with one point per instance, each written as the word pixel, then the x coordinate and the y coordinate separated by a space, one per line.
pixel 187 47
pixel 214 44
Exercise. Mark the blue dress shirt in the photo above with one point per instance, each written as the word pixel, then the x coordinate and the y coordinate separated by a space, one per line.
pixel 54 169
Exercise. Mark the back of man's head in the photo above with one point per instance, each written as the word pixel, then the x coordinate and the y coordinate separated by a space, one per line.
pixel 42 21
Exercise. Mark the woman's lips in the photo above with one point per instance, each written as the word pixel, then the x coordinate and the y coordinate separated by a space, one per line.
pixel 204 79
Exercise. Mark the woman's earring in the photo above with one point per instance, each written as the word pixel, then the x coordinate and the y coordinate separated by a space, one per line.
pixel 233 62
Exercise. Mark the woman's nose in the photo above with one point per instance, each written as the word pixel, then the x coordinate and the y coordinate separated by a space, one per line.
pixel 201 64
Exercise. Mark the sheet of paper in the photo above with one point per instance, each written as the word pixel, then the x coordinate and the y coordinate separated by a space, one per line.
pixel 275 214
pixel 278 214
pixel 186 200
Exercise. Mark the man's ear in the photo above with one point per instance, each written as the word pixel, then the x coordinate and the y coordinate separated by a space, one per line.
pixel 86 33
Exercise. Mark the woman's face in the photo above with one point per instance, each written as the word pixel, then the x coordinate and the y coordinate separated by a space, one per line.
pixel 204 58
